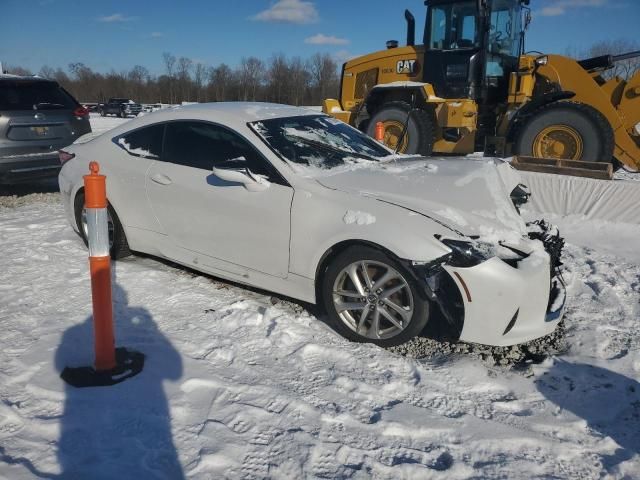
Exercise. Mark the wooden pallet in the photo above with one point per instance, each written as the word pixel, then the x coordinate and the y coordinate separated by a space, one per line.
pixel 576 168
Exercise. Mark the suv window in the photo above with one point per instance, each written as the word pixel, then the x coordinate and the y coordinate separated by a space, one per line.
pixel 203 145
pixel 145 142
pixel 34 95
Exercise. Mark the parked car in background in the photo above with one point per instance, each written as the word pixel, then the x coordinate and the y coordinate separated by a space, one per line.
pixel 37 118
pixel 154 107
pixel 301 204
pixel 121 107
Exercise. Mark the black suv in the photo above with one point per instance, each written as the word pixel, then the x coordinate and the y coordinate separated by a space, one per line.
pixel 37 118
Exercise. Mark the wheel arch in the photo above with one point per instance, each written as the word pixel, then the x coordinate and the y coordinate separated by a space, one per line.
pixel 109 205
pixel 530 108
pixel 380 96
pixel 335 250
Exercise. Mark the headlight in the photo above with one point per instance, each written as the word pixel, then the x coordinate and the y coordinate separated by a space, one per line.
pixel 520 196
pixel 468 254
pixel 543 60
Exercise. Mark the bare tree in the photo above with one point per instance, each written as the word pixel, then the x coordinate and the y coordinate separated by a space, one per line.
pixel 324 76
pixel 220 80
pixel 624 69
pixel 300 78
pixel 169 64
pixel 251 76
pixel 199 74
pixel 278 88
pixel 138 76
pixel 47 72
pixel 17 70
pixel 184 71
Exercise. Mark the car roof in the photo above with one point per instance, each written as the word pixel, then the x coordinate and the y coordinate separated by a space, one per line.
pixel 233 114
pixel 247 111
pixel 20 78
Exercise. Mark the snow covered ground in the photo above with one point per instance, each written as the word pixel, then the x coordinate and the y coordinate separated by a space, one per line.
pixel 241 384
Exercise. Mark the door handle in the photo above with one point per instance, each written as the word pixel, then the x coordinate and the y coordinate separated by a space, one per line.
pixel 161 179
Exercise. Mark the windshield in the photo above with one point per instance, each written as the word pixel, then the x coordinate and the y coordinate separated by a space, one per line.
pixel 506 27
pixel 318 141
pixel 453 26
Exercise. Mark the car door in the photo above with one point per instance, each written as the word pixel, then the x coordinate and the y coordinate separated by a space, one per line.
pixel 211 221
pixel 129 163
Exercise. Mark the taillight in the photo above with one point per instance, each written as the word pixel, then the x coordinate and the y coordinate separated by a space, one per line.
pixel 81 111
pixel 65 156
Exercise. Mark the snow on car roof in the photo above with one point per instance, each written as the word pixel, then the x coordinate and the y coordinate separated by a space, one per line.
pixel 248 111
pixel 232 114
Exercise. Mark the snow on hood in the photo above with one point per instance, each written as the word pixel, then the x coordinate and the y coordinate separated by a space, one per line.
pixel 472 196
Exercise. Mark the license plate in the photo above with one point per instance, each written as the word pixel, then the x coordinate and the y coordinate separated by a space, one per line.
pixel 40 131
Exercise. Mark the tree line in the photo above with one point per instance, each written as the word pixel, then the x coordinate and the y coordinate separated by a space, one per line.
pixel 280 79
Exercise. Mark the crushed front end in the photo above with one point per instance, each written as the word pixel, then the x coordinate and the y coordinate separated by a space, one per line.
pixel 501 295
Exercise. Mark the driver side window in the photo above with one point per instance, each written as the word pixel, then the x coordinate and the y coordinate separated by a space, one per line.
pixel 204 146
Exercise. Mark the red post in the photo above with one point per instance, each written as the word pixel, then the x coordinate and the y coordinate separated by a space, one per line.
pixel 95 194
pixel 380 131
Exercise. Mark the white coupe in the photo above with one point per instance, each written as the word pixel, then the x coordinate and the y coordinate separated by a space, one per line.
pixel 295 202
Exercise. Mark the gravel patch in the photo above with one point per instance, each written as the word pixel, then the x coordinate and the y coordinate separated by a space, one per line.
pixel 14 201
pixel 532 352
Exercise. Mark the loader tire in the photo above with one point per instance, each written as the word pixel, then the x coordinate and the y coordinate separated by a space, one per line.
pixel 566 130
pixel 419 136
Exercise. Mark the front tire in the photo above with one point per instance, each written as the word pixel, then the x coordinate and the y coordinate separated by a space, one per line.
pixel 569 131
pixel 419 136
pixel 370 297
pixel 118 245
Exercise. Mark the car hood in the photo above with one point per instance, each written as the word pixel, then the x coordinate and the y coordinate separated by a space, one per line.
pixel 470 196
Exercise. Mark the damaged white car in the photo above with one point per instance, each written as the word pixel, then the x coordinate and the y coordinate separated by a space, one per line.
pixel 297 203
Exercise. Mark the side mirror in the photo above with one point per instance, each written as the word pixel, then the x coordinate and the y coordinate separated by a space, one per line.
pixel 251 182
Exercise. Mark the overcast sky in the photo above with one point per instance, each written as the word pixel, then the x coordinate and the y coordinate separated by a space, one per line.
pixel 119 34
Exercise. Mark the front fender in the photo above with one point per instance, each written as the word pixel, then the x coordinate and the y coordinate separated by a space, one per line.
pixel 319 222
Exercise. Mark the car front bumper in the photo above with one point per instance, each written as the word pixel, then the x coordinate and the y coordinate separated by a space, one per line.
pixel 506 306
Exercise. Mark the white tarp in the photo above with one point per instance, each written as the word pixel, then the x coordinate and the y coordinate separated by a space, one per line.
pixel 612 200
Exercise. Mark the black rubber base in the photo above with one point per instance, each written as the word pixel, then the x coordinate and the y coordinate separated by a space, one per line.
pixel 129 364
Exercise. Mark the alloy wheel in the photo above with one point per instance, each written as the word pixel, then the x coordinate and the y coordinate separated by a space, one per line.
pixel 373 299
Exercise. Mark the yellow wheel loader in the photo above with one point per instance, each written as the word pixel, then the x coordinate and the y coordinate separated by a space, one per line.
pixel 471 87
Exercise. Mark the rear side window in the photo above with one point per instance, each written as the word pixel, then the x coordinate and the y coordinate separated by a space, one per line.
pixel 203 145
pixel 145 142
pixel 34 95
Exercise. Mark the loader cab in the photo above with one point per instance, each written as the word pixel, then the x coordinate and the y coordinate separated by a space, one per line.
pixel 472 47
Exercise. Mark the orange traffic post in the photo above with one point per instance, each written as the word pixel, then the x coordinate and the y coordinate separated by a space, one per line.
pixel 380 131
pixel 112 365
pixel 95 194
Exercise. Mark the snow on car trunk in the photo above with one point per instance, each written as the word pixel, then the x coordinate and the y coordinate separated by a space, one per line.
pixel 239 384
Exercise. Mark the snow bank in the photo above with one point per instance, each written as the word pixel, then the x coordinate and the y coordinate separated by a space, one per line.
pixel 611 201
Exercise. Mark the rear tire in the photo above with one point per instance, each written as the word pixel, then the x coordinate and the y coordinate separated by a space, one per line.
pixel 338 289
pixel 119 245
pixel 566 130
pixel 420 132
